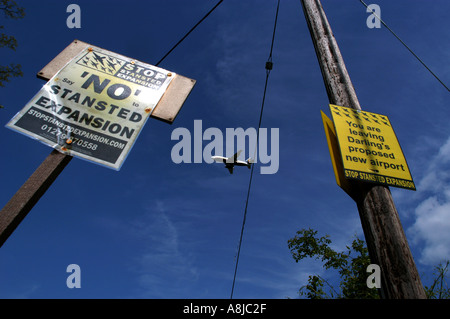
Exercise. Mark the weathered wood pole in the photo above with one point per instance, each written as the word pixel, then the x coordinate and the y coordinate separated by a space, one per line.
pixel 381 224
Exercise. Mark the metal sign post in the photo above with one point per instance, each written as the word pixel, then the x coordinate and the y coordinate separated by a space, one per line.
pixel 93 106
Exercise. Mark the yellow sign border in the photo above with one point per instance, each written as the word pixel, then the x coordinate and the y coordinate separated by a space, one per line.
pixel 335 153
pixel 359 171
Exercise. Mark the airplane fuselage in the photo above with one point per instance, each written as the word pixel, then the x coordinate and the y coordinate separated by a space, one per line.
pixel 230 162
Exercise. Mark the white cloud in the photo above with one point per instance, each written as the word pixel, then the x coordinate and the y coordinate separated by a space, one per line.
pixel 163 255
pixel 432 225
pixel 437 176
pixel 28 293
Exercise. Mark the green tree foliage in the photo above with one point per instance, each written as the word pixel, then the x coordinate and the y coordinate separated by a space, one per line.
pixel 351 266
pixel 10 10
pixel 439 288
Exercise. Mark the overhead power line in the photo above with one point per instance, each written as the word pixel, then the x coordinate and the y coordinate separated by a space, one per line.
pixel 404 44
pixel 189 32
pixel 269 66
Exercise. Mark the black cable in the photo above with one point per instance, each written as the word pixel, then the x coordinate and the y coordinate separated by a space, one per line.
pixel 269 66
pixel 186 35
pixel 248 191
pixel 274 28
pixel 398 38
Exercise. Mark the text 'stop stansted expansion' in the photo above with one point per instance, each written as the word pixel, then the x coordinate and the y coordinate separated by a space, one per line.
pixel 95 106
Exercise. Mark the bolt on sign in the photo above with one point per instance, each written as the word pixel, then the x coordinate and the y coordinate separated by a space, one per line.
pixel 95 106
pixel 368 148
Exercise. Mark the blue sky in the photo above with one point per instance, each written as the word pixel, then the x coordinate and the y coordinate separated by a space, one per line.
pixel 157 229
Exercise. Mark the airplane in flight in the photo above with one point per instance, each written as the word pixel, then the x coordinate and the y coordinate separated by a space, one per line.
pixel 230 162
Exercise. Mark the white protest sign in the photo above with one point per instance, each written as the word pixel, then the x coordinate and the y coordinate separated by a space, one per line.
pixel 95 106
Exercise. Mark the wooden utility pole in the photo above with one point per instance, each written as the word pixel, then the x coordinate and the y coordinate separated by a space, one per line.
pixel 385 238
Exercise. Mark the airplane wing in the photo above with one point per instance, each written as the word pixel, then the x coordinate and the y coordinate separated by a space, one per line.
pixel 230 168
pixel 219 159
pixel 235 156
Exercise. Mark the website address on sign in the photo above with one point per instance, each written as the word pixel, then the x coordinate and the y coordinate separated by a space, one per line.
pixel 68 135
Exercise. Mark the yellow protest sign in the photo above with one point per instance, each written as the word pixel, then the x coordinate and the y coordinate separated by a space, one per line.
pixel 335 153
pixel 369 148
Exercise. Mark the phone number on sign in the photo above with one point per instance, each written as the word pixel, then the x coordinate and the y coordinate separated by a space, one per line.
pixel 72 140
